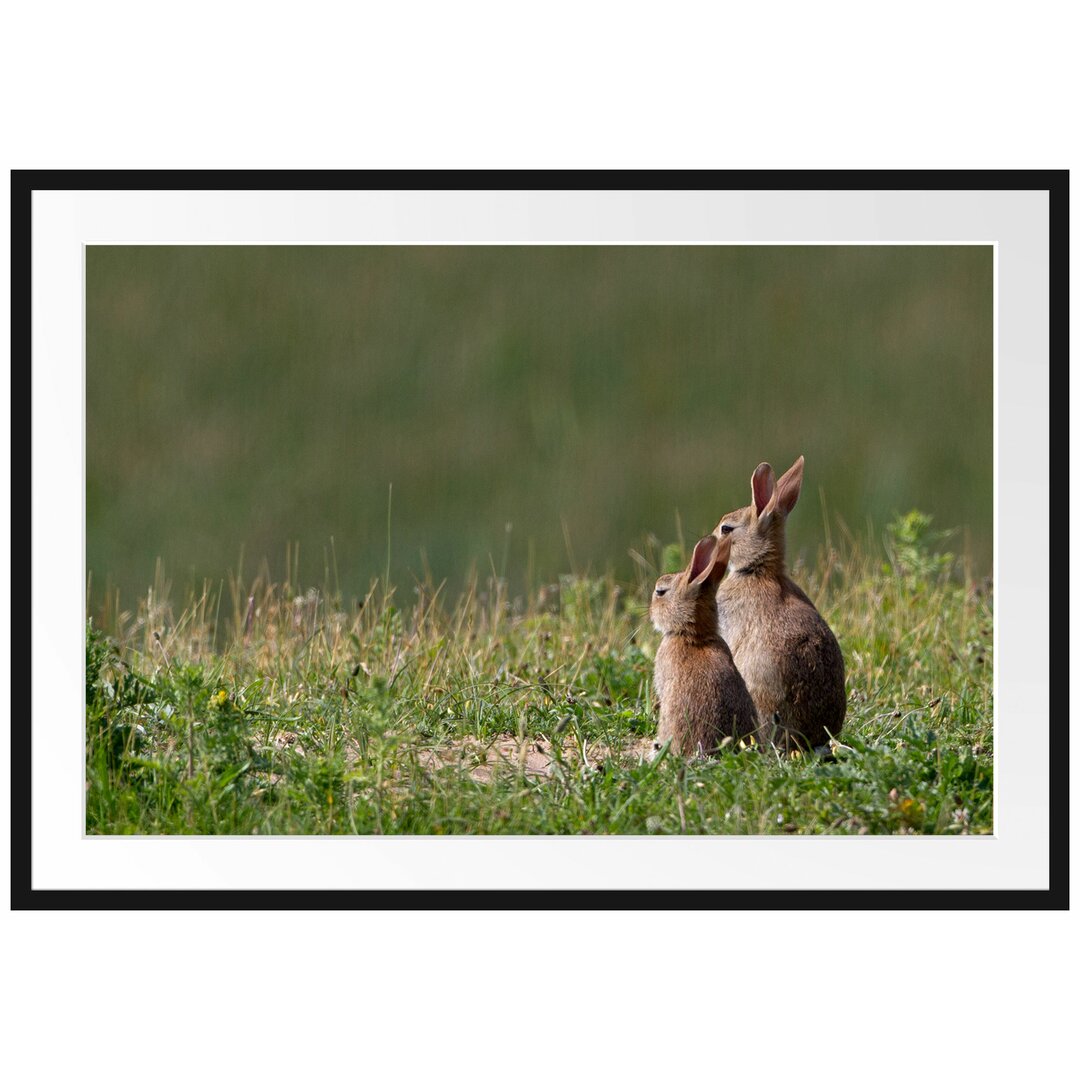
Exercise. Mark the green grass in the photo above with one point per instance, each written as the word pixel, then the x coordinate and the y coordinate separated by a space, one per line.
pixel 290 713
pixel 237 397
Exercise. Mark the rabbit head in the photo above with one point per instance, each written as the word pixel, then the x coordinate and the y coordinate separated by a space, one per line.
pixel 756 532
pixel 685 603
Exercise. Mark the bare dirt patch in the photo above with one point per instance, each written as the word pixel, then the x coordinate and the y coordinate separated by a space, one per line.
pixel 534 756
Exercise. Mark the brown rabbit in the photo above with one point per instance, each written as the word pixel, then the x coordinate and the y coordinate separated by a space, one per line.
pixel 702 697
pixel 782 647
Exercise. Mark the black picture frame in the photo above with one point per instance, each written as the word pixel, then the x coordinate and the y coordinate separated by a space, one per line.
pixel 24 183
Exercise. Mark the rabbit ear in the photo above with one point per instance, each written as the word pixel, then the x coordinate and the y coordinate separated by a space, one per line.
pixel 762 486
pixel 720 560
pixel 703 559
pixel 788 487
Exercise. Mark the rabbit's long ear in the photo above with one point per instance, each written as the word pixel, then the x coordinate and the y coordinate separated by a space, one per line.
pixel 720 561
pixel 788 487
pixel 762 486
pixel 702 562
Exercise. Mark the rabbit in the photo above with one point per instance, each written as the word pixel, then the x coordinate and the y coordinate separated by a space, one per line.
pixel 782 647
pixel 703 699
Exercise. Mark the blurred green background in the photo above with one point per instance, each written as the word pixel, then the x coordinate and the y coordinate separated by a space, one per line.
pixel 245 398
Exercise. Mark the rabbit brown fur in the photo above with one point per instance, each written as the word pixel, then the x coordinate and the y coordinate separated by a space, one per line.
pixel 783 648
pixel 702 696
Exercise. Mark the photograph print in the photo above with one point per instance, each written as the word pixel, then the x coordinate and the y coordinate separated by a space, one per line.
pixel 523 539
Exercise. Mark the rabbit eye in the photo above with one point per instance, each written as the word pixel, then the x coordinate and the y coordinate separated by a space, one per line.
pixel 659 591
pixel 725 529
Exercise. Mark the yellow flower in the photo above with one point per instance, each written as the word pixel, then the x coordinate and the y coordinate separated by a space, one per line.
pixel 219 699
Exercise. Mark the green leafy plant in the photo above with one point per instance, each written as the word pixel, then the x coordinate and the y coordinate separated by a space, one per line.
pixel 910 545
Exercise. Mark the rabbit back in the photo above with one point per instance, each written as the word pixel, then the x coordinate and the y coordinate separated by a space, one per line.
pixel 703 698
pixel 788 657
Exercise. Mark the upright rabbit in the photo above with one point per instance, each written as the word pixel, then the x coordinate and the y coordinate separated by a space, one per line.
pixel 782 647
pixel 702 697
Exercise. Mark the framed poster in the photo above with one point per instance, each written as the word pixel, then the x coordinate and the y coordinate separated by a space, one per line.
pixel 349 494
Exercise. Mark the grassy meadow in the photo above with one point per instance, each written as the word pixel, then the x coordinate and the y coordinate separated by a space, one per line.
pixel 537 410
pixel 371 532
pixel 280 710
